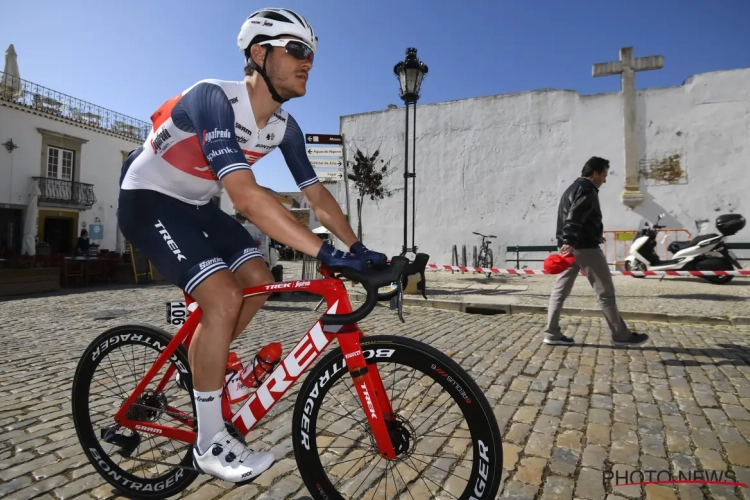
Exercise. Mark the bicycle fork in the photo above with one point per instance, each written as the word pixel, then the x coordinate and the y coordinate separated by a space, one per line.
pixel 371 391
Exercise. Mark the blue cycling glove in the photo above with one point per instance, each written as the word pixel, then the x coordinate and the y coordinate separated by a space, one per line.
pixel 336 258
pixel 378 260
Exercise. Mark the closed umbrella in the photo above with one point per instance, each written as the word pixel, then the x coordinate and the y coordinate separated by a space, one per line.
pixel 29 226
pixel 11 82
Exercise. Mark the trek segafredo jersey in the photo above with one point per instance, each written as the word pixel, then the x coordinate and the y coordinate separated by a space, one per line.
pixel 204 134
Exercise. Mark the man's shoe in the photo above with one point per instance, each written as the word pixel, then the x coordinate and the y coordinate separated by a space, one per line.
pixel 230 460
pixel 635 340
pixel 561 341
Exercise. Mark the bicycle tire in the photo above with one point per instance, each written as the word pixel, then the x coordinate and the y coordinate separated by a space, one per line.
pixel 489 258
pixel 169 484
pixel 483 427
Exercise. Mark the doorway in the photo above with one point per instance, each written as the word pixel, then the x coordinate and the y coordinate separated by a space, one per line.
pixel 11 230
pixel 58 233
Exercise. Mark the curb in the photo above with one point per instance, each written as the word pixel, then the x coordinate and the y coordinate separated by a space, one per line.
pixel 490 309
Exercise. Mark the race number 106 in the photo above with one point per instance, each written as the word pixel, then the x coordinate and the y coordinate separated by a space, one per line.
pixel 177 313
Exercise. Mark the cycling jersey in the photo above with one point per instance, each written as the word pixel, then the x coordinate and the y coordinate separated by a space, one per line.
pixel 204 134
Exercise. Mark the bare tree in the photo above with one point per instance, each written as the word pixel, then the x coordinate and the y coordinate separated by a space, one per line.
pixel 368 173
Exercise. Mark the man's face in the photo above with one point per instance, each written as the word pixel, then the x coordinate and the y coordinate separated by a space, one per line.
pixel 287 73
pixel 600 178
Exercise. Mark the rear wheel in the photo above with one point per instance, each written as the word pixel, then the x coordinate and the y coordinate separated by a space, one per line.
pixel 716 264
pixel 718 280
pixel 138 464
pixel 447 438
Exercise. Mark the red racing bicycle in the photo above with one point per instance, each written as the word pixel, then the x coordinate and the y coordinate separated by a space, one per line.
pixel 408 421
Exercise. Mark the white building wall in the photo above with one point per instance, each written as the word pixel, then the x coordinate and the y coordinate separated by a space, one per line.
pixel 100 164
pixel 498 164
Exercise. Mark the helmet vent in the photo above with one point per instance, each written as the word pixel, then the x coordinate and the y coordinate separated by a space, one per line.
pixel 275 16
pixel 303 23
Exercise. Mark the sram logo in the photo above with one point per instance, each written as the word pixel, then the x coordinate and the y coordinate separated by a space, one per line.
pixel 312 397
pixel 148 429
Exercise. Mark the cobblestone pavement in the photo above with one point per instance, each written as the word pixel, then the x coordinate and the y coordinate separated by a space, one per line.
pixel 680 404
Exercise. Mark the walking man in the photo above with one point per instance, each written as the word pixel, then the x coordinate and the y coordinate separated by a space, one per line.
pixel 580 233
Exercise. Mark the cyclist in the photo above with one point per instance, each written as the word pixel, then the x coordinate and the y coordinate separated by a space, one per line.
pixel 205 139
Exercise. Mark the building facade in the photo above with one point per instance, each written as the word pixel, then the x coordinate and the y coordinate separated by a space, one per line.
pixel 498 164
pixel 72 152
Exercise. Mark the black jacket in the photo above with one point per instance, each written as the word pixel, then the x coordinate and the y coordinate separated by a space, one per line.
pixel 579 217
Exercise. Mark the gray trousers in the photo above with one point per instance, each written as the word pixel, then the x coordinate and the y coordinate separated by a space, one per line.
pixel 594 265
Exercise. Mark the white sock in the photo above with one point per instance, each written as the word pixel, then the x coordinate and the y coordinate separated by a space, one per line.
pixel 210 420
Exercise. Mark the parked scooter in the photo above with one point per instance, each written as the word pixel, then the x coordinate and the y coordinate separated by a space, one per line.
pixel 706 252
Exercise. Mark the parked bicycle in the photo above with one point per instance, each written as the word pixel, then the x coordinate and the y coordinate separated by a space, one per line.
pixel 484 258
pixel 366 435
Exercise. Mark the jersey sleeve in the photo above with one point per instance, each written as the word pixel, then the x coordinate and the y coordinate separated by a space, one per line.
pixel 206 111
pixel 292 146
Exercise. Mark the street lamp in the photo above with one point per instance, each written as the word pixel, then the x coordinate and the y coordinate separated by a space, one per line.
pixel 410 73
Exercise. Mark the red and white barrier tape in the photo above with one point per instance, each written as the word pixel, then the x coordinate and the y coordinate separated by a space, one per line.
pixel 493 270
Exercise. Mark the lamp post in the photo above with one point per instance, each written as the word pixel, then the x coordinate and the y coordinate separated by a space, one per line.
pixel 410 73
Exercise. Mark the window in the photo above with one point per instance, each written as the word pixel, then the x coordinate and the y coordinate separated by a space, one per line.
pixel 60 163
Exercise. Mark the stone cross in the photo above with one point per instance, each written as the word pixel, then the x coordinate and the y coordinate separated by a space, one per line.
pixel 626 67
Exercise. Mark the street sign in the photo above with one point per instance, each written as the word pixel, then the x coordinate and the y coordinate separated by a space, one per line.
pixel 323 139
pixel 317 163
pixel 330 175
pixel 336 151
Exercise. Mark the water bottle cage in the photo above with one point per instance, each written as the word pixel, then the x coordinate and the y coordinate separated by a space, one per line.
pixel 267 369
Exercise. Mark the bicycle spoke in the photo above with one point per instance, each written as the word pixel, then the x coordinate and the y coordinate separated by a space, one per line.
pixel 414 456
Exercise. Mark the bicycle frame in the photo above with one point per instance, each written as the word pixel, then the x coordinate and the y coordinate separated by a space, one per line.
pixel 367 381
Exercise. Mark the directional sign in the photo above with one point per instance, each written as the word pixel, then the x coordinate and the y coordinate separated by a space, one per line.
pixel 325 151
pixel 329 175
pixel 323 139
pixel 326 163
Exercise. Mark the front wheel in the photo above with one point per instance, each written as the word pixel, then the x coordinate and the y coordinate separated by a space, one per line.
pixel 635 266
pixel 445 432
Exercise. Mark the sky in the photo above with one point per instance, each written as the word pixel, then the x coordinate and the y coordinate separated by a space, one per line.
pixel 132 56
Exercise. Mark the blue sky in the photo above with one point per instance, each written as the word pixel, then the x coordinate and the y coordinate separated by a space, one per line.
pixel 132 56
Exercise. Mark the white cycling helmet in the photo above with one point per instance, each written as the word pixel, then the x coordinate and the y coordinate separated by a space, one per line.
pixel 272 22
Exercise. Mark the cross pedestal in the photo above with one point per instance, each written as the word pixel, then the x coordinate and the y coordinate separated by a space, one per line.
pixel 626 67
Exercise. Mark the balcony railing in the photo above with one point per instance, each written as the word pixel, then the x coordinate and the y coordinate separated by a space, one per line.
pixel 65 192
pixel 55 103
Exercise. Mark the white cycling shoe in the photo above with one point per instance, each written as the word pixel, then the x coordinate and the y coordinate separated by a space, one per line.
pixel 230 460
